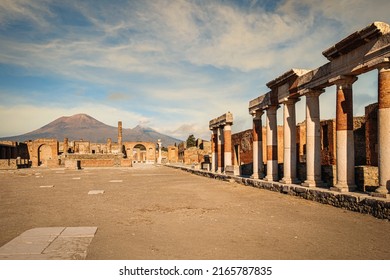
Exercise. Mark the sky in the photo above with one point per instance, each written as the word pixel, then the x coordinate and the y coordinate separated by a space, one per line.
pixel 169 65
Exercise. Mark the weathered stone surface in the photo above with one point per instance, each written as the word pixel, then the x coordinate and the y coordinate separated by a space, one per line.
pixel 49 243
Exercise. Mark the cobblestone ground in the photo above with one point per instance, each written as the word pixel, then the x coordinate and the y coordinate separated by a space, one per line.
pixel 155 212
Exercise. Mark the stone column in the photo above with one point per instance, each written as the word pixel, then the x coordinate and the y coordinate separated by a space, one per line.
pixel 120 136
pixel 272 144
pixel 383 131
pixel 159 152
pixel 289 142
pixel 258 167
pixel 109 146
pixel 345 152
pixel 214 155
pixel 66 146
pixel 227 138
pixel 313 140
pixel 220 149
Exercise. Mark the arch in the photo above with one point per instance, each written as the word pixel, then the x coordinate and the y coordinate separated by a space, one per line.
pixel 44 154
pixel 141 152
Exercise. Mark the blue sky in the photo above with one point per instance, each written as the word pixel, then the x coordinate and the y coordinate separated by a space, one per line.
pixel 170 65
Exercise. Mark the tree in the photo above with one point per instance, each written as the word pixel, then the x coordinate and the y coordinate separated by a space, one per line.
pixel 191 142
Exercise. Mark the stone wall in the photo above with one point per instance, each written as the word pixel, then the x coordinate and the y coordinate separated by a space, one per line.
pixel 362 203
pixel 366 178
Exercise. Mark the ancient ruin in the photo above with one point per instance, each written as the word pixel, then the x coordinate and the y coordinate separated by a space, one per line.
pixel 362 51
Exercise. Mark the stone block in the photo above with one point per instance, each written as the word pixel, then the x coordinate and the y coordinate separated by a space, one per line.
pixel 96 192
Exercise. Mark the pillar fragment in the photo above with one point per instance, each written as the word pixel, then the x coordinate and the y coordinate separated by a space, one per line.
pixel 257 148
pixel 66 146
pixel 120 136
pixel 289 142
pixel 383 131
pixel 345 152
pixel 313 140
pixel 159 159
pixel 272 144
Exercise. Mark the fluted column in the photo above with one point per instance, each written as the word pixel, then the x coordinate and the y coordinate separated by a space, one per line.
pixel 313 140
pixel 345 151
pixel 257 148
pixel 383 131
pixel 159 159
pixel 272 144
pixel 289 142
pixel 227 138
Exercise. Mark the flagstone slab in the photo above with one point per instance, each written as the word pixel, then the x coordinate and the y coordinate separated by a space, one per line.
pixel 96 192
pixel 52 243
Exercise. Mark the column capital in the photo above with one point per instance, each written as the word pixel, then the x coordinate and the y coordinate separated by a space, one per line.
pixel 309 92
pixel 257 114
pixel 384 65
pixel 343 80
pixel 290 101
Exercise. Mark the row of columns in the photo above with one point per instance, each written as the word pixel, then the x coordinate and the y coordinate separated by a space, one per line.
pixel 345 163
pixel 221 147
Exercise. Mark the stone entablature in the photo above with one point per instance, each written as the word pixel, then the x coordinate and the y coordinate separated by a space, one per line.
pixel 221 120
pixel 362 51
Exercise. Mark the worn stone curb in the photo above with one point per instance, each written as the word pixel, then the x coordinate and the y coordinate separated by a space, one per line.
pixel 362 203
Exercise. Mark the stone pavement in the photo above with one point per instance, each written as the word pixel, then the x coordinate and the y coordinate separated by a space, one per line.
pixel 51 243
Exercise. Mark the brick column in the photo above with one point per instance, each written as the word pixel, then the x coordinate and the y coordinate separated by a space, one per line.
pixel 66 146
pixel 313 140
pixel 227 137
pixel 345 151
pixel 272 144
pixel 120 136
pixel 220 149
pixel 289 142
pixel 383 131
pixel 258 167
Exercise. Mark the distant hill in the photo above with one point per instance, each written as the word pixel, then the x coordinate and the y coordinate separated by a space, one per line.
pixel 82 126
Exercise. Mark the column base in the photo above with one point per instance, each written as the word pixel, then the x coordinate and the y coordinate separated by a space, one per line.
pixel 290 181
pixel 343 188
pixel 270 178
pixel 313 184
pixel 381 192
pixel 257 176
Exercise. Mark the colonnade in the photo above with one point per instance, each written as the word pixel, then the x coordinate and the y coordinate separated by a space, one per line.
pixel 362 51
pixel 221 145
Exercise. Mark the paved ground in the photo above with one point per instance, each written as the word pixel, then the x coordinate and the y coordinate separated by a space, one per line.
pixel 149 212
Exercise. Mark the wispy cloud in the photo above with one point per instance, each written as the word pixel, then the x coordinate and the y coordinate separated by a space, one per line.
pixel 171 64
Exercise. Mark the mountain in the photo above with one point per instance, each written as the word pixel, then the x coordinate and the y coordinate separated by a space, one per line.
pixel 82 126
